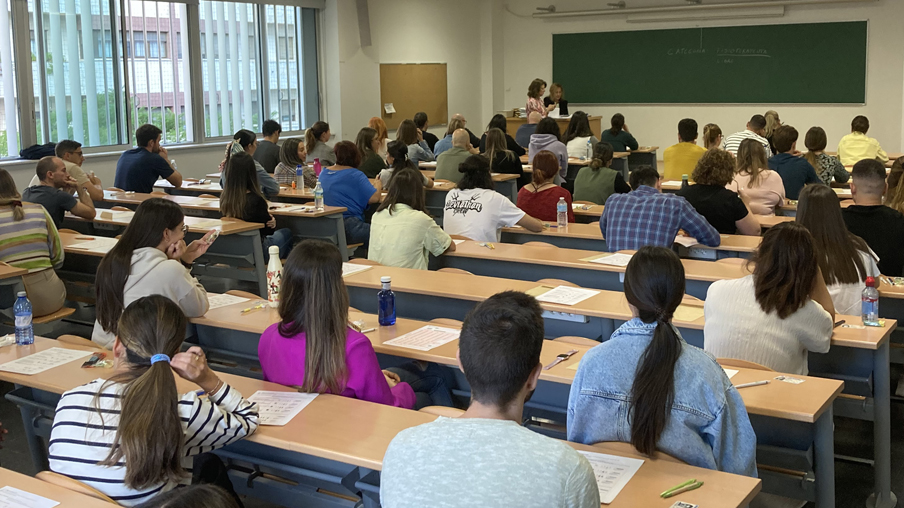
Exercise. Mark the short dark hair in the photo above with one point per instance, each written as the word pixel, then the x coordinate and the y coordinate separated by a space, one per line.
pixel 860 123
pixel 45 165
pixel 784 138
pixel 347 154
pixel 420 120
pixel 147 133
pixel 758 122
pixel 549 126
pixel 66 146
pixel 869 169
pixel 687 129
pixel 271 127
pixel 500 345
pixel 643 175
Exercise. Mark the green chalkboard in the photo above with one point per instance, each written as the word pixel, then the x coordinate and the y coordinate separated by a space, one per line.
pixel 768 64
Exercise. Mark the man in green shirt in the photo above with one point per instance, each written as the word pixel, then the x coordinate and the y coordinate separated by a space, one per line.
pixel 448 161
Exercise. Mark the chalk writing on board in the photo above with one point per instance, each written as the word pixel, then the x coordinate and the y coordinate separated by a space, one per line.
pixel 686 51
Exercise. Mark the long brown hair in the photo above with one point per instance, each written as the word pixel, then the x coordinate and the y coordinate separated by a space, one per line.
pixel 895 196
pixel 150 436
pixel 578 127
pixel 407 188
pixel 711 133
pixel 312 135
pixel 407 132
pixel 785 266
pixel 314 301
pixel 497 144
pixel 751 161
pixel 533 91
pixel 815 141
pixel 240 180
pixel 288 153
pixel 9 195
pixel 654 284
pixel 838 250
pixel 145 230
pixel 365 141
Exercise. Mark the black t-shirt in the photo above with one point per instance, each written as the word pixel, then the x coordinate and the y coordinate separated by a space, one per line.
pixel 882 228
pixel 511 166
pixel 430 139
pixel 720 206
pixel 56 201
pixel 563 105
pixel 510 144
pixel 256 210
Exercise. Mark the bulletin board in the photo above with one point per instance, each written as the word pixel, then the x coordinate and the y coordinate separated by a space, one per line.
pixel 412 88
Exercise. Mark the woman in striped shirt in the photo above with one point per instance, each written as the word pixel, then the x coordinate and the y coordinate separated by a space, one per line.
pixel 132 436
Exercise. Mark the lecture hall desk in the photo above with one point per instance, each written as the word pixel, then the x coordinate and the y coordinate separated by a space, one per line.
pixel 593 213
pixel 65 497
pixel 619 163
pixel 314 451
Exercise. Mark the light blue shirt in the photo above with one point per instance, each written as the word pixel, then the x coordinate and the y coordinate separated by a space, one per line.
pixel 442 145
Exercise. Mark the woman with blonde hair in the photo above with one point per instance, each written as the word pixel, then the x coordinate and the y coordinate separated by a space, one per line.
pixel 376 123
pixel 761 188
pixel 773 122
pixel 502 158
pixel 554 99
pixel 712 136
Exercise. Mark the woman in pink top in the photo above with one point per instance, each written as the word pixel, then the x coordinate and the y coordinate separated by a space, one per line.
pixel 760 188
pixel 534 98
pixel 314 348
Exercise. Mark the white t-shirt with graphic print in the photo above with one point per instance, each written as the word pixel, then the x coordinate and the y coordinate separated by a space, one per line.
pixel 479 214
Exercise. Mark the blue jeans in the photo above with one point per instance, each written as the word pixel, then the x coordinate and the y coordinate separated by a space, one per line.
pixel 430 385
pixel 281 238
pixel 356 231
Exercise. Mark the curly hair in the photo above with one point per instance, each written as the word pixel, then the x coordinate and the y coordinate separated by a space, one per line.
pixel 716 167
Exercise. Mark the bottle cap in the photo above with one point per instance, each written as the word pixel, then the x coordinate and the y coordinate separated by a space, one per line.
pixel 274 250
pixel 684 177
pixel 385 279
pixel 21 294
pixel 871 282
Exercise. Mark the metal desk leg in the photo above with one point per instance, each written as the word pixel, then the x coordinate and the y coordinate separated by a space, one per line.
pixel 621 164
pixel 825 460
pixel 882 497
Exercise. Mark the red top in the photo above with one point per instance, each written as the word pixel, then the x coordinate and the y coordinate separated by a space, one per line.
pixel 542 205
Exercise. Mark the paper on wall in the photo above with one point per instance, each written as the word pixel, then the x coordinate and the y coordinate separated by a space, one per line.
pixel 389 108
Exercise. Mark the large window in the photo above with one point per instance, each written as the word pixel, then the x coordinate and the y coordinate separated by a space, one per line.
pixel 9 128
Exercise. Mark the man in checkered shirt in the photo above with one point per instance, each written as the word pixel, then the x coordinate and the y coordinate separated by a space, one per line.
pixel 646 216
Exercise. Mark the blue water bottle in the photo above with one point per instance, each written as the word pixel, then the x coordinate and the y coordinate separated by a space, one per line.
pixel 25 333
pixel 386 303
pixel 299 177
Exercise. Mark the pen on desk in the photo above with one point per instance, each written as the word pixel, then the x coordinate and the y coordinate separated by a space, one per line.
pixel 676 487
pixel 692 486
pixel 886 280
pixel 257 306
pixel 369 330
pixel 755 383
pixel 838 323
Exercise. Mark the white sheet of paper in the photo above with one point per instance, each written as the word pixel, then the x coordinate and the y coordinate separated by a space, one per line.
pixel 47 359
pixel 351 269
pixel 566 295
pixel 687 241
pixel 278 408
pixel 425 338
pixel 116 215
pixel 389 108
pixel 730 372
pixel 459 242
pixel 297 208
pixel 11 497
pixel 614 260
pixel 206 224
pixel 216 301
pixel 612 473
pixel 100 245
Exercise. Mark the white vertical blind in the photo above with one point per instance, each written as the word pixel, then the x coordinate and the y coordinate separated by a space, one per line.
pixel 9 88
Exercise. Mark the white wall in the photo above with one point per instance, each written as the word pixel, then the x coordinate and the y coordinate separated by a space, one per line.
pixel 528 55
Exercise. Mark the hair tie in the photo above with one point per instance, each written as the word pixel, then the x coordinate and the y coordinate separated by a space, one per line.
pixel 159 358
pixel 15 203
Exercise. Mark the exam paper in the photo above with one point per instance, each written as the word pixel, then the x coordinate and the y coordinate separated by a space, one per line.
pixel 459 242
pixel 216 301
pixel 351 269
pixel 730 372
pixel 116 215
pixel 11 497
pixel 278 408
pixel 612 473
pixel 566 295
pixel 99 245
pixel 614 260
pixel 45 360
pixel 687 241
pixel 206 224
pixel 425 338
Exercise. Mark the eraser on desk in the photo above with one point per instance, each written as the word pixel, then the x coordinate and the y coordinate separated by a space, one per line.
pixel 106 215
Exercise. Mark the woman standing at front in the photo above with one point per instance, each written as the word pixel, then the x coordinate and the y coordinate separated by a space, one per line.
pixel 534 98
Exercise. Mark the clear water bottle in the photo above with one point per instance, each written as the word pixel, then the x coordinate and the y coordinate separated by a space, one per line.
pixel 172 163
pixel 869 306
pixel 562 214
pixel 274 276
pixel 299 177
pixel 684 184
pixel 25 333
pixel 318 197
pixel 589 150
pixel 386 303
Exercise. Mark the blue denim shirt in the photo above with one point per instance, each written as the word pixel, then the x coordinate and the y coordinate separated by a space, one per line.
pixel 707 426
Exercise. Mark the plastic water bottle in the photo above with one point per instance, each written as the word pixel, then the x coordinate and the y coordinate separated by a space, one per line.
pixel 589 150
pixel 172 163
pixel 318 197
pixel 386 303
pixel 562 214
pixel 299 177
pixel 317 167
pixel 869 306
pixel 274 276
pixel 25 333
pixel 684 184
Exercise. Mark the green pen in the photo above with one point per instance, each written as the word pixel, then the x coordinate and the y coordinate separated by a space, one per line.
pixel 676 487
pixel 685 487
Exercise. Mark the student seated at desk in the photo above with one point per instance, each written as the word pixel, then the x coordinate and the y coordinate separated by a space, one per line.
pixel 377 124
pixel 646 216
pixel 647 385
pixel 131 436
pixel 50 193
pixel 194 496
pixel 138 169
pixel 712 136
pixel 597 181
pixel 681 158
pixel 447 163
pixel 496 461
pixel 795 170
pixel 315 144
pixel 267 153
pixel 31 242
pixel 350 189
pixel 826 166
pixel 540 197
pixel 555 99
pixel 397 157
pixel 526 130
pixel 245 142
pixel 476 211
pixel 498 122
pixel 578 136
pixel 446 142
pixel 773 122
pixel 857 146
pixel 370 146
pixel 776 315
pixel 844 258
pixel 760 188
pixel 412 137
pixel 894 197
pixel 402 234
pixel 149 259
pixel 242 199
pixel 756 129
pixel 420 121
pixel 313 346
pixel 880 226
pixel 73 157
pixel 708 195
pixel 502 158
pixel 618 136
pixel 291 155
pixel 548 137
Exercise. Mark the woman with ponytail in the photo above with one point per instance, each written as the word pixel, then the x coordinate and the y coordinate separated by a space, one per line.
pixel 245 141
pixel 596 182
pixel 315 144
pixel 397 158
pixel 618 136
pixel 129 436
pixel 646 386
pixel 540 197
